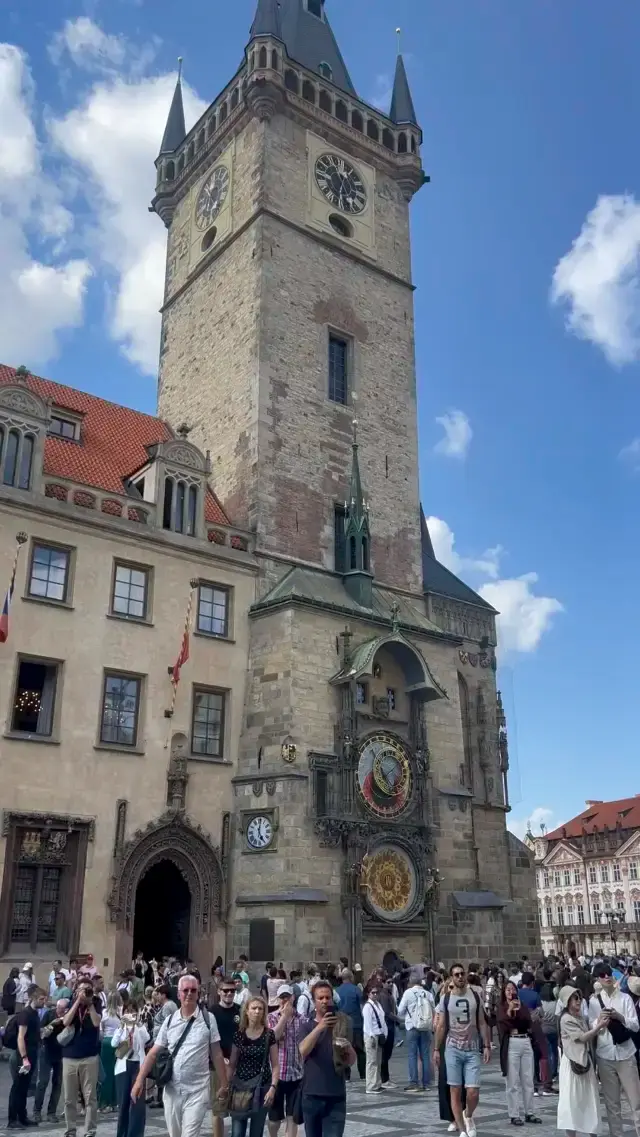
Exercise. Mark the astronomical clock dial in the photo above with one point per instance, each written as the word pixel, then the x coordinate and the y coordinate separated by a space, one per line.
pixel 392 883
pixel 259 833
pixel 384 774
pixel 340 183
pixel 212 197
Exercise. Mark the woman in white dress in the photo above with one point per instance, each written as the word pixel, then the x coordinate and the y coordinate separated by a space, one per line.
pixel 579 1101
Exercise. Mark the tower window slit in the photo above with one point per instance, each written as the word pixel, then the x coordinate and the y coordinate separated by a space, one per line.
pixel 167 508
pixel 180 506
pixel 192 511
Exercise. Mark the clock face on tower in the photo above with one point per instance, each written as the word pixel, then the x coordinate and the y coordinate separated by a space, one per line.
pixel 212 196
pixel 340 183
pixel 259 832
pixel 385 778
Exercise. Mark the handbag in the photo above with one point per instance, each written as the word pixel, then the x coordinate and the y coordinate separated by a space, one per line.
pixel 578 1068
pixel 244 1098
pixel 162 1070
pixel 618 1031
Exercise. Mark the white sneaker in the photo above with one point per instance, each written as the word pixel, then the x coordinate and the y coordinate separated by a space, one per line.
pixel 469 1125
pixel 389 1086
pixel 453 1128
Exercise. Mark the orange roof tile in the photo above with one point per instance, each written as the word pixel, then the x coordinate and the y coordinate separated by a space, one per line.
pixel 114 440
pixel 597 814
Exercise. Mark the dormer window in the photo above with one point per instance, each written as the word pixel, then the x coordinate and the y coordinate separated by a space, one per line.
pixel 325 71
pixel 63 426
pixel 16 457
pixel 315 8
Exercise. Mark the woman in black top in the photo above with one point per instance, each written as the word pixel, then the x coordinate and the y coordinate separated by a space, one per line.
pixel 253 1065
pixel 9 992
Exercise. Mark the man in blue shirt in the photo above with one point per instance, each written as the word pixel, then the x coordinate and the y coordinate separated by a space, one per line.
pixel 529 997
pixel 350 1002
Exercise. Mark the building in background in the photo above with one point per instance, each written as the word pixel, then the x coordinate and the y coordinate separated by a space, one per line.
pixel 588 879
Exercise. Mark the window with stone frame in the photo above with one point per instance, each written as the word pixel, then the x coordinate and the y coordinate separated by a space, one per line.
pixel 633 870
pixel 17 449
pixel 213 610
pixel 338 369
pixel 549 914
pixel 593 874
pixel 49 573
pixel 560 912
pixel 34 703
pixel 557 879
pixel 207 722
pixel 636 911
pixel 130 591
pixel 580 913
pixel 570 914
pixel 577 876
pixel 120 712
pixel 604 874
pixel 617 872
pixel 546 879
pixel 566 877
pixel 43 882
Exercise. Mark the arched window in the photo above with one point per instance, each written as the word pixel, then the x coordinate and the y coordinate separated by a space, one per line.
pixel 252 61
pixel 223 112
pixel 402 144
pixel 353 560
pixel 341 111
pixel 463 693
pixel 325 102
pixel 234 98
pixel 211 126
pixel 200 140
pixel 325 71
pixel 388 140
pixel 11 458
pixel 190 152
pixel 192 513
pixel 309 92
pixel 356 121
pixel 181 163
pixel 181 493
pixel 262 58
pixel 26 461
pixel 291 81
pixel 275 62
pixel 167 506
pixel 372 130
pixel 170 171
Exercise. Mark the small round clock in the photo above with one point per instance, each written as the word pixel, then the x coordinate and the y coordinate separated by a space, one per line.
pixel 340 183
pixel 212 196
pixel 259 832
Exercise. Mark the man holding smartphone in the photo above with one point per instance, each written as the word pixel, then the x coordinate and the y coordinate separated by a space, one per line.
pixel 80 1060
pixel 615 1049
pixel 326 1056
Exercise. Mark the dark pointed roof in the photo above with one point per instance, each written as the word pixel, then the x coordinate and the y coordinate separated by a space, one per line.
pixel 175 131
pixel 308 38
pixel 402 108
pixel 437 578
pixel 267 19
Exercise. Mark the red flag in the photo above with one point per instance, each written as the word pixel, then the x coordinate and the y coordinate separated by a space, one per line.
pixel 182 658
pixel 4 618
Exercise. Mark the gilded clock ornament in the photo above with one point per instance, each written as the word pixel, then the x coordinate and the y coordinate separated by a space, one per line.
pixel 259 832
pixel 385 777
pixel 340 183
pixel 391 882
pixel 212 196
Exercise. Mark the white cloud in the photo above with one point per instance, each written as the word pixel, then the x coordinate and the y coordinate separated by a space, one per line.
pixel 457 435
pixel 599 279
pixel 38 298
pixel 85 44
pixel 382 92
pixel 523 617
pixel 630 455
pixel 541 815
pixel 113 137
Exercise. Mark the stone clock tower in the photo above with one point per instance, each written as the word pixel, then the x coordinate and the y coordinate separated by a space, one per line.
pixel 370 783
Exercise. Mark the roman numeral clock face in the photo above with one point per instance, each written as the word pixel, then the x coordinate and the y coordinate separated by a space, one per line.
pixel 340 183
pixel 212 197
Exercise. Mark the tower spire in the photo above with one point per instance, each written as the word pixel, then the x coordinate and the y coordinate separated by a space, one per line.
pixel 402 108
pixel 175 130
pixel 266 21
pixel 358 575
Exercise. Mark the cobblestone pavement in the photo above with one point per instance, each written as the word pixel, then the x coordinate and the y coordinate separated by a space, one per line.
pixel 391 1114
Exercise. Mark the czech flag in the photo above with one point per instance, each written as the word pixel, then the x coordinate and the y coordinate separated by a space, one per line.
pixel 4 618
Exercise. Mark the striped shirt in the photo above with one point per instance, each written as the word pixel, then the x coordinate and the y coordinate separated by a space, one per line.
pixel 288 1047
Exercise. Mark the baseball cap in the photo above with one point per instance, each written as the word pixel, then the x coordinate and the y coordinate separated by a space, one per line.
pixel 284 989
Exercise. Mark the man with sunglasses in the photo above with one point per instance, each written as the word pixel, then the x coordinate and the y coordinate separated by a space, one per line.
pixel 227 1016
pixel 615 1049
pixel 461 1022
pixel 192 1036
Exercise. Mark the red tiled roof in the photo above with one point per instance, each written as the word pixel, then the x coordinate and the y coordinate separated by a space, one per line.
pixel 597 814
pixel 114 440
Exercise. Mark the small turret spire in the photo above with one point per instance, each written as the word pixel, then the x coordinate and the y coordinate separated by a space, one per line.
pixel 402 108
pixel 175 130
pixel 267 19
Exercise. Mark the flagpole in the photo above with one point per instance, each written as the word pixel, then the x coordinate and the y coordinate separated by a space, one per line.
pixel 21 539
pixel 175 670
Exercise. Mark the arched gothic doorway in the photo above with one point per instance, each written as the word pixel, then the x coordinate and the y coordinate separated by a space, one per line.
pixel 162 913
pixel 148 873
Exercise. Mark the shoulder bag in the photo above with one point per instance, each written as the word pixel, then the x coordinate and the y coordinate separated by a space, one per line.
pixel 244 1098
pixel 618 1031
pixel 162 1069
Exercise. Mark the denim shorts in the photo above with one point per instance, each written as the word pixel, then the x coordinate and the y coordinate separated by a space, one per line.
pixel 463 1067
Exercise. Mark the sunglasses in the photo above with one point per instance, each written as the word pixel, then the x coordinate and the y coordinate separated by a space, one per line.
pixel 227 990
pixel 189 990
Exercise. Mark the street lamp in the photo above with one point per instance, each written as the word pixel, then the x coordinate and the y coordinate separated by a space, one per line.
pixel 612 919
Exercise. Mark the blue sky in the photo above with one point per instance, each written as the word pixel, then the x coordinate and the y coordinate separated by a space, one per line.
pixel 526 249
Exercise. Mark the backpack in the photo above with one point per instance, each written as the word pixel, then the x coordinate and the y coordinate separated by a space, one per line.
pixel 307 996
pixel 422 1012
pixel 10 1038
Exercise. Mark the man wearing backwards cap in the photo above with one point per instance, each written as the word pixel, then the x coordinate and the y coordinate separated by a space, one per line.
pixel 286 1023
pixel 615 1049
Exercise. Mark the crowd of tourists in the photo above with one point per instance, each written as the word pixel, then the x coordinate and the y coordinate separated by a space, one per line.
pixel 162 1037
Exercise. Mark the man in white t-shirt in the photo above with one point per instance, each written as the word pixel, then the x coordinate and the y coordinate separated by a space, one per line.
pixel 187 1097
